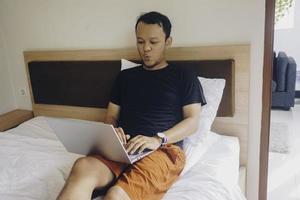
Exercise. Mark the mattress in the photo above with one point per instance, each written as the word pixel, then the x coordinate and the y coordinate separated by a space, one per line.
pixel 34 165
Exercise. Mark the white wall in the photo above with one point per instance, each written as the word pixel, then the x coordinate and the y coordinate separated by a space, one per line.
pixel 77 24
pixel 288 40
pixel 7 99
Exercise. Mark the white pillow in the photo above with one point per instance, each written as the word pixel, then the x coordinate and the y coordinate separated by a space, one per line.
pixel 194 152
pixel 126 64
pixel 197 144
pixel 213 92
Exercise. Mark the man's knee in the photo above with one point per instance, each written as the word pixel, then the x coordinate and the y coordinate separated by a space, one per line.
pixel 116 193
pixel 84 164
pixel 92 167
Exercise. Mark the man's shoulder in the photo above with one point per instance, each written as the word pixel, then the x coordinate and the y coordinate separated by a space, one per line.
pixel 183 71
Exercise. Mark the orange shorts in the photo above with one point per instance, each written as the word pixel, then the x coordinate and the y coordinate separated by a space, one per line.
pixel 150 177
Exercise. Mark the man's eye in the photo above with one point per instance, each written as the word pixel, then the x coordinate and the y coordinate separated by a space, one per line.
pixel 154 42
pixel 140 42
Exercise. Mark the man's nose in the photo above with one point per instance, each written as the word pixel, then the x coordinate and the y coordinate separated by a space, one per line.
pixel 147 47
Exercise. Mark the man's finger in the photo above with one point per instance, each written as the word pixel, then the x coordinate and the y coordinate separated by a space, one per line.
pixel 131 144
pixel 136 138
pixel 142 148
pixel 137 146
pixel 123 135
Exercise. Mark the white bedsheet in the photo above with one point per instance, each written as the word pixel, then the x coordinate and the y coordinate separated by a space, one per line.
pixel 35 165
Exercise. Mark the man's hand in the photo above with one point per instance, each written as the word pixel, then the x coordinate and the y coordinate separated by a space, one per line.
pixel 122 135
pixel 141 142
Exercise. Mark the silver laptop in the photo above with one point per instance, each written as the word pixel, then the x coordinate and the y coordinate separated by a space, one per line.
pixel 80 137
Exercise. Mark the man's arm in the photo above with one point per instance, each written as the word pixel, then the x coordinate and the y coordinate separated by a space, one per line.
pixel 112 114
pixel 187 126
pixel 111 117
pixel 183 129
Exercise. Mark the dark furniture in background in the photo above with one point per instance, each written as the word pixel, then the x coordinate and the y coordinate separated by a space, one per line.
pixel 298 84
pixel 284 81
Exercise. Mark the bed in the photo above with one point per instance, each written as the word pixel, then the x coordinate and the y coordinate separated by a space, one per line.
pixel 35 164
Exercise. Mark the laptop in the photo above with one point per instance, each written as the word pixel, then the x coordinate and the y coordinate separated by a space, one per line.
pixel 79 136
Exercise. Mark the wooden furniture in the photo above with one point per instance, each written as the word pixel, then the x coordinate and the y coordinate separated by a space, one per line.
pixel 236 123
pixel 14 118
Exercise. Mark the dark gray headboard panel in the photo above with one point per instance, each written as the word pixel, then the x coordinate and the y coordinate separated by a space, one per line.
pixel 89 83
pixel 73 83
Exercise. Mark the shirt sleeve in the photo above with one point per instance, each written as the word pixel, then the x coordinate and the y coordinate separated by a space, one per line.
pixel 191 89
pixel 115 96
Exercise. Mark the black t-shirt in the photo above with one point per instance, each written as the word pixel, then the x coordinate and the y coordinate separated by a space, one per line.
pixel 151 101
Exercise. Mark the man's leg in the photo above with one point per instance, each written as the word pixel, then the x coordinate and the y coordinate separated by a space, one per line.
pixel 87 174
pixel 116 193
pixel 150 177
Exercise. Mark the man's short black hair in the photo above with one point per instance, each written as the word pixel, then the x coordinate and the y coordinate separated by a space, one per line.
pixel 156 18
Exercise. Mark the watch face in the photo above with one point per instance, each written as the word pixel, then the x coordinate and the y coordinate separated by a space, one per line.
pixel 161 135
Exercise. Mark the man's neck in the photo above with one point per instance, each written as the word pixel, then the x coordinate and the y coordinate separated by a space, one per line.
pixel 157 67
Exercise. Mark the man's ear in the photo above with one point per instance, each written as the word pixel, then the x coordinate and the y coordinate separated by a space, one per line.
pixel 169 42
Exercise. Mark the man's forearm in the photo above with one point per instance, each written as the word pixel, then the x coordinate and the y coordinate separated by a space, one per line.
pixel 182 130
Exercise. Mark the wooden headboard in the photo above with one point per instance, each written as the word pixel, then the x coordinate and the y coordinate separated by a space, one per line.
pixel 77 83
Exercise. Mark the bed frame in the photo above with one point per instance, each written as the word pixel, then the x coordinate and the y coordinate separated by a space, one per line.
pixel 76 83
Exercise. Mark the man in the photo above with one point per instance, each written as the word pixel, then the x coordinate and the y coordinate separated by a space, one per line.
pixel 155 107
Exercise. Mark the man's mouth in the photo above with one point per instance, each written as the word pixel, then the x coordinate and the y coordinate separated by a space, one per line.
pixel 147 58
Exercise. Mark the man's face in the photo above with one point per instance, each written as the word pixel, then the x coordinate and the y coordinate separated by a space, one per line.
pixel 151 44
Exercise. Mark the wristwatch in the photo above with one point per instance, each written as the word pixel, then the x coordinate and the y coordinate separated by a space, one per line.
pixel 163 137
